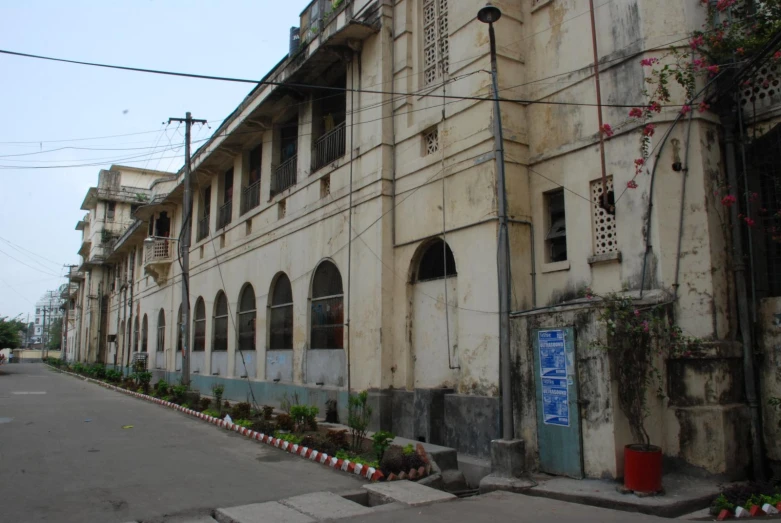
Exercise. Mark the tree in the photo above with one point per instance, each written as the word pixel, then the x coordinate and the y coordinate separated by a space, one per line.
pixel 54 335
pixel 9 332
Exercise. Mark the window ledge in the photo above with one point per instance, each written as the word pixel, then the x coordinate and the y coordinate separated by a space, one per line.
pixel 555 267
pixel 605 258
pixel 542 4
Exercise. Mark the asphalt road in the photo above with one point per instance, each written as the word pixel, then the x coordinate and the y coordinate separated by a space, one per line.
pixel 65 457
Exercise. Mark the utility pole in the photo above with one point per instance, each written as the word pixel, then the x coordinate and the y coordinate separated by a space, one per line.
pixel 184 247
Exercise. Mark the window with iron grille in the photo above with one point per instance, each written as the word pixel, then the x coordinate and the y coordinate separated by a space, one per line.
pixel 179 340
pixel 436 48
pixel 430 141
pixel 145 334
pixel 220 339
pixel 110 211
pixel 135 335
pixel 556 235
pixel 604 223
pixel 281 315
pixel 199 326
pixel 161 331
pixel 247 315
pixel 327 312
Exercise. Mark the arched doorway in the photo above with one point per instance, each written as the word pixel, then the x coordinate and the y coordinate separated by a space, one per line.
pixel 434 325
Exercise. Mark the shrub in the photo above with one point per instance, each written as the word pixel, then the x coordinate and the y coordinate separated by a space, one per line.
pixel 268 411
pixel 338 438
pixel 263 426
pixel 241 410
pixel 114 375
pixel 96 370
pixel 285 422
pixel 243 423
pixel 408 450
pixel 290 438
pixel 381 440
pixel 211 412
pixel 304 417
pixel 205 403
pixel 226 407
pixel 217 391
pixel 359 413
pixel 79 368
pixel 143 379
pixel 178 392
pixel 161 387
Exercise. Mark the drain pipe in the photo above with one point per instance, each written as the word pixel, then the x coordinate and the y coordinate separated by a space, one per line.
pixel 744 320
pixel 685 174
pixel 129 325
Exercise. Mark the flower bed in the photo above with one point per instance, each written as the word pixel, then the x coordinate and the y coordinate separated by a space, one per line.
pixel 296 430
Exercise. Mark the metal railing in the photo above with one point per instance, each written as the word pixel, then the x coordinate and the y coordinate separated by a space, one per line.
pixel 225 214
pixel 159 249
pixel 203 228
pixel 284 176
pixel 250 197
pixel 329 147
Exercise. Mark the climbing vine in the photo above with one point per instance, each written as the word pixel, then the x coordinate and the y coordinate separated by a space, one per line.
pixel 636 335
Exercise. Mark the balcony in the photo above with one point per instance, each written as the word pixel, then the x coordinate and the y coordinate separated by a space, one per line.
pixel 225 214
pixel 250 197
pixel 284 176
pixel 158 256
pixel 329 147
pixel 203 228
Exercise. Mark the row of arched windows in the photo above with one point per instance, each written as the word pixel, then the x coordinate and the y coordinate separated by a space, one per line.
pixel 326 317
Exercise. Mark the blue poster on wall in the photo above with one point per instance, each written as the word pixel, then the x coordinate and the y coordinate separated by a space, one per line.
pixel 553 372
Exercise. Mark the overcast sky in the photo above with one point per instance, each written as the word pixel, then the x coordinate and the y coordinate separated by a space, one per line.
pixel 48 105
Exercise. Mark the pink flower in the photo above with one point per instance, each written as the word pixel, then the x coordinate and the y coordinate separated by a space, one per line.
pixel 607 130
pixel 777 55
pixel 703 107
pixel 648 130
pixel 645 325
pixel 648 62
pixel 686 109
pixel 713 69
pixel 639 161
pixel 749 221
pixel 740 50
pixel 722 5
pixel 754 196
pixel 697 41
pixel 631 184
pixel 636 112
pixel 699 63
pixel 655 107
pixel 637 312
pixel 728 200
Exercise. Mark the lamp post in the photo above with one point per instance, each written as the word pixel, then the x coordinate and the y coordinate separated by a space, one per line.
pixel 488 15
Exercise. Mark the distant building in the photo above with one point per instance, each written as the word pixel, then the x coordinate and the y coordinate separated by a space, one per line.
pixel 47 312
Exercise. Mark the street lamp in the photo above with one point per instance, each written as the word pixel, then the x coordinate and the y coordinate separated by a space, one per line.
pixel 488 15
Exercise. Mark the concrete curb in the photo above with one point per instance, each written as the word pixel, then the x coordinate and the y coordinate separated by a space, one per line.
pixel 344 465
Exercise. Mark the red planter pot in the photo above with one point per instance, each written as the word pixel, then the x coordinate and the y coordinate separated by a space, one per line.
pixel 643 468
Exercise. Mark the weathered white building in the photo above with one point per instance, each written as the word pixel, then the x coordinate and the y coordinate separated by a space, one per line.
pixel 344 232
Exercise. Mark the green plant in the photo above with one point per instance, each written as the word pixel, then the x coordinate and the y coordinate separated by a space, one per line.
pixel 342 454
pixel 211 412
pixel 285 422
pixel 186 405
pixel 178 392
pixel 161 387
pixel 304 417
pixel 241 410
pixel 408 450
pixel 79 368
pixel 359 413
pixel 243 423
pixel 114 375
pixel 218 390
pixel 263 426
pixel 381 440
pixel 143 379
pixel 637 334
pixel 290 438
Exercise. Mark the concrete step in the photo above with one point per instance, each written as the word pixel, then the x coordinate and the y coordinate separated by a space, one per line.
pixel 406 492
pixel 262 513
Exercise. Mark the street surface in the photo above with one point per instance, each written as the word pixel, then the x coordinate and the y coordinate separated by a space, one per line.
pixel 65 457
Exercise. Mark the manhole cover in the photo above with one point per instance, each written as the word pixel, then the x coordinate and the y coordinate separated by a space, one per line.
pixel 6 420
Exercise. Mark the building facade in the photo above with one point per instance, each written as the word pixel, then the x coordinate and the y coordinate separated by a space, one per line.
pixel 47 313
pixel 344 233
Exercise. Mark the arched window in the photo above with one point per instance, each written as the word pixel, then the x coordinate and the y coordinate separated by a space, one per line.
pixel 327 314
pixel 247 315
pixel 135 335
pixel 161 331
pixel 145 334
pixel 281 315
pixel 437 262
pixel 220 323
pixel 179 330
pixel 199 325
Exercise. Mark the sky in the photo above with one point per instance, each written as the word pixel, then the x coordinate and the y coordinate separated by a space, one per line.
pixel 47 105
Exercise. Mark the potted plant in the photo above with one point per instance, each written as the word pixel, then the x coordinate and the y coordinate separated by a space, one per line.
pixel 636 335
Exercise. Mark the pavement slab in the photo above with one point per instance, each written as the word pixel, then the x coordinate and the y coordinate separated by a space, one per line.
pixel 262 513
pixel 407 492
pixel 325 506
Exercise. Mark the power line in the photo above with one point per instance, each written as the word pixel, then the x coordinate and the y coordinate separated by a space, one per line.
pixel 29 266
pixel 12 244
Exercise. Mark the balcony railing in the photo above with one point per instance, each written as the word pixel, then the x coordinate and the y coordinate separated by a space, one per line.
pixel 159 249
pixel 284 176
pixel 203 228
pixel 329 147
pixel 250 197
pixel 225 214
